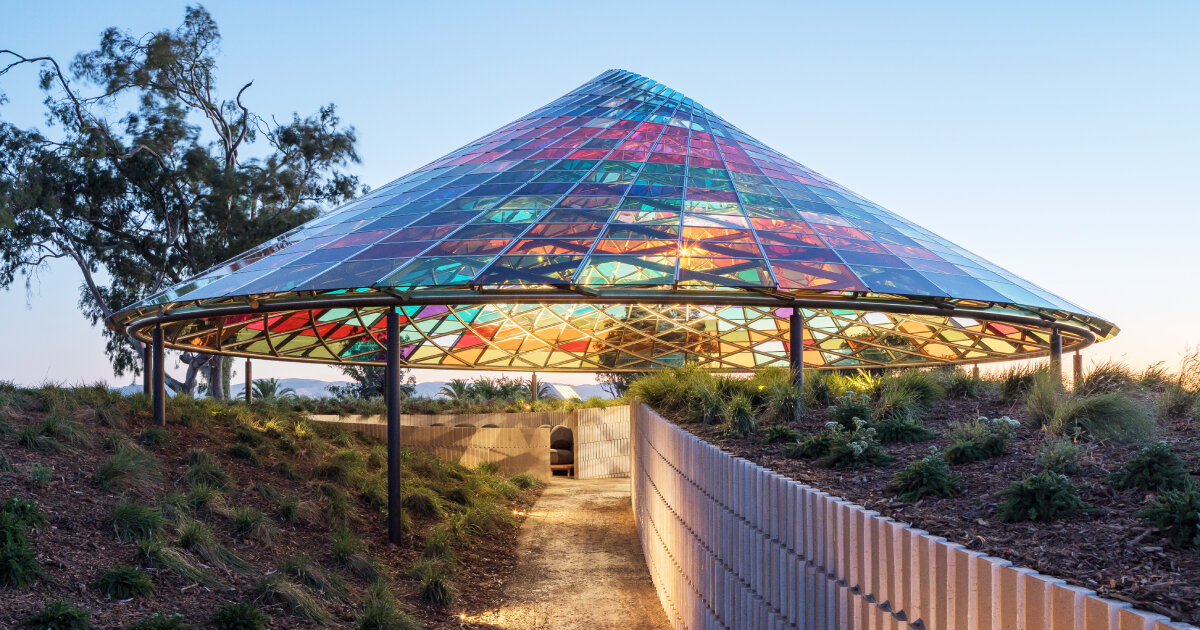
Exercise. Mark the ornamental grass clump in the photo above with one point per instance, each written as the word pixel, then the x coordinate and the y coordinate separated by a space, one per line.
pixel 979 439
pixel 739 416
pixel 128 469
pixel 124 583
pixel 958 383
pixel 238 616
pixel 381 612
pixel 159 621
pixel 910 388
pixel 928 476
pixel 1110 416
pixel 276 588
pixel 1044 497
pixel 132 521
pixel 1176 513
pixel 1155 467
pixel 435 577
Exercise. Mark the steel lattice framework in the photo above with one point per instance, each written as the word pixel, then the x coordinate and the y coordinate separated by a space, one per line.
pixel 622 227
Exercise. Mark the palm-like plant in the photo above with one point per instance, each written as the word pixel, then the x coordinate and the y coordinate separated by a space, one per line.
pixel 270 389
pixel 457 389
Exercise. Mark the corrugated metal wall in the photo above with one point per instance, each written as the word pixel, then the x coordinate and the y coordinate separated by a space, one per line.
pixel 731 544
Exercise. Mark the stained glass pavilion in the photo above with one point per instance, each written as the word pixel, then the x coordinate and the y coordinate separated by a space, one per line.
pixel 622 227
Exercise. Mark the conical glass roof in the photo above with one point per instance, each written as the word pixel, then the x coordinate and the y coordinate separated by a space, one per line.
pixel 621 227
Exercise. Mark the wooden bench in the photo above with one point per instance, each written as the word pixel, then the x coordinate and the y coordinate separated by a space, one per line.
pixel 568 468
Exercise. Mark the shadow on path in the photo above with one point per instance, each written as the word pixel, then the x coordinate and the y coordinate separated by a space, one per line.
pixel 579 564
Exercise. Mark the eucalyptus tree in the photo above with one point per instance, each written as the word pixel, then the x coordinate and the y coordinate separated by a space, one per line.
pixel 145 174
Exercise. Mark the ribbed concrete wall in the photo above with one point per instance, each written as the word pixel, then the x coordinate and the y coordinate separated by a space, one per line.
pixel 731 544
pixel 602 442
pixel 530 419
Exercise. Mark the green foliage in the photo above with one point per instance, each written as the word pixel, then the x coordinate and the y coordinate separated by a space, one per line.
pixel 115 442
pixel 1046 496
pixel 853 449
pixel 421 501
pixel 928 476
pixel 128 469
pixel 488 518
pixel 1110 416
pixel 18 559
pixel 526 481
pixel 380 612
pixel 289 471
pixel 781 402
pixel 40 474
pixel 308 572
pixel 809 447
pixel 56 433
pixel 778 433
pixel 123 583
pixel 205 497
pixel 958 383
pixel 59 614
pixel 1175 402
pixel 1017 379
pixel 704 404
pixel 132 521
pixel 739 416
pixel 24 512
pixel 159 621
pixel 153 552
pixel 248 522
pixel 275 588
pixel 849 407
pixel 435 577
pixel 197 538
pixel 351 553
pixel 339 509
pixel 901 428
pixel 1177 514
pixel 1155 467
pixel 240 616
pixel 347 468
pixel 6 463
pixel 243 451
pixel 979 439
pixel 908 389
pixel 204 468
pixel 1043 395
pixel 1108 376
pixel 1059 455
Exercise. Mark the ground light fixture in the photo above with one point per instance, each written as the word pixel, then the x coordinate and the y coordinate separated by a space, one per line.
pixel 623 227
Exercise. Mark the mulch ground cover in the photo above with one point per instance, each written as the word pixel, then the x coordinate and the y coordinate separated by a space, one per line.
pixel 77 542
pixel 1110 550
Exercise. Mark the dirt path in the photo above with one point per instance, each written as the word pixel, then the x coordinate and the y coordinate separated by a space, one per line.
pixel 579 564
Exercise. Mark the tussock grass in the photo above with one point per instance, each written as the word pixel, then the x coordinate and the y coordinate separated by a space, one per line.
pixel 203 467
pixel 153 552
pixel 240 616
pixel 128 469
pixel 308 572
pixel 381 612
pixel 124 583
pixel 276 588
pixel 436 585
pixel 197 538
pixel 351 554
pixel 132 521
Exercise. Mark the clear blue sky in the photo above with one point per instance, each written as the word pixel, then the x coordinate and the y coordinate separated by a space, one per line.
pixel 1061 142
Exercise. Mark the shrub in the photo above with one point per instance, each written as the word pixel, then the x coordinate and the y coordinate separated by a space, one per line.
pixel 929 475
pixel 739 416
pixel 380 612
pixel 1059 455
pixel 979 439
pixel 852 449
pixel 958 383
pixel 40 474
pixel 153 552
pixel 128 469
pixel 1111 416
pixel 777 433
pixel 59 614
pixel 134 522
pixel 154 437
pixel 435 577
pixel 159 621
pixel 123 583
pixel 24 512
pixel 810 447
pixel 1155 467
pixel 897 429
pixel 1177 514
pixel 18 559
pixel 849 407
pixel 1046 496
pixel 275 588
pixel 240 617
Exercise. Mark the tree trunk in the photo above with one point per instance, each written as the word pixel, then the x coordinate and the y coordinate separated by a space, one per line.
pixel 216 378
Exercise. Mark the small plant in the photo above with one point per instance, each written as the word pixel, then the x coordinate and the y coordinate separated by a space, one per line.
pixel 421 501
pixel 275 588
pixel 380 612
pixel 1016 380
pixel 849 407
pixel 810 447
pixel 154 437
pixel 128 468
pixel 248 522
pixel 351 553
pixel 134 522
pixel 1106 377
pixel 958 383
pixel 159 621
pixel 244 451
pixel 435 577
pixel 18 559
pixel 852 449
pixel 1110 416
pixel 6 463
pixel 1046 496
pixel 153 552
pixel 901 429
pixel 40 475
pixel 205 497
pixel 24 512
pixel 345 468
pixel 1177 514
pixel 526 481
pixel 980 439
pixel 115 442
pixel 123 583
pixel 1155 467
pixel 778 433
pixel 1176 402
pixel 197 538
pixel 204 468
pixel 240 617
pixel 308 572
pixel 1059 455
pixel 249 436
pixel 739 416
pixel 59 614
pixel 339 509
pixel 928 476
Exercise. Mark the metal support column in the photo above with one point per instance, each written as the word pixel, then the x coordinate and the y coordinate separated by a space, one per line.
pixel 975 371
pixel 796 344
pixel 249 383
pixel 533 387
pixel 1078 372
pixel 147 369
pixel 393 425
pixel 159 396
pixel 1056 353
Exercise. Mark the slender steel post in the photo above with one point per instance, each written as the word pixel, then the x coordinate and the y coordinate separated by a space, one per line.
pixel 249 382
pixel 796 343
pixel 1078 375
pixel 147 368
pixel 393 425
pixel 1056 353
pixel 533 386
pixel 159 397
